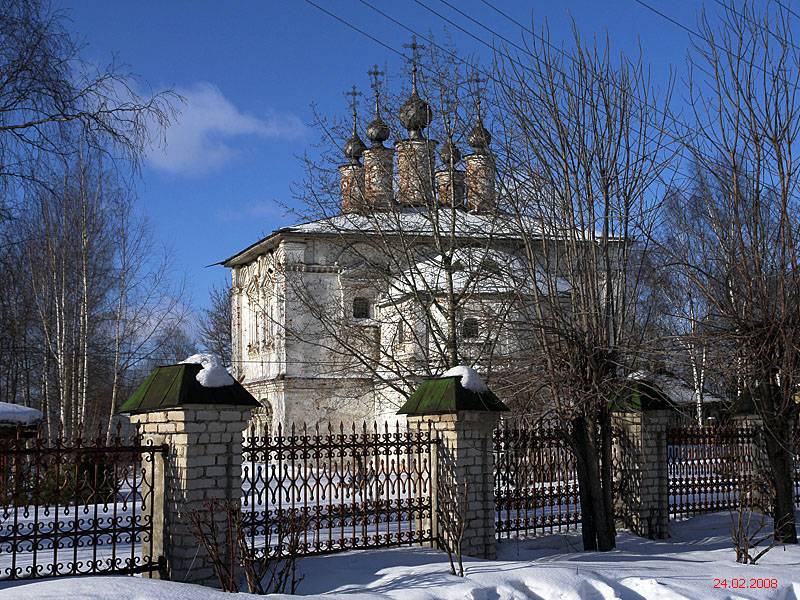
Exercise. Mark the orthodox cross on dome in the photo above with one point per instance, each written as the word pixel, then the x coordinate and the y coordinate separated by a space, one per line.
pixel 353 95
pixel 375 74
pixel 377 130
pixel 479 138
pixel 354 147
pixel 415 48
pixel 477 83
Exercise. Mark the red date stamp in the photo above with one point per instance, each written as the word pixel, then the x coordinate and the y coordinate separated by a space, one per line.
pixel 764 583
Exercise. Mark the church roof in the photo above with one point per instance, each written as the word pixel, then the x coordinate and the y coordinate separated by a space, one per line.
pixel 496 226
pixel 479 270
pixel 408 221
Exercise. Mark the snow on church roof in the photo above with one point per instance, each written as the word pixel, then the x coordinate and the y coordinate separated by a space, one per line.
pixel 481 271
pixel 495 225
pixel 412 220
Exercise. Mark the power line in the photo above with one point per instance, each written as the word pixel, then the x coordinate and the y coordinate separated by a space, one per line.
pixel 781 4
pixel 674 136
pixel 741 15
pixel 665 114
pixel 491 76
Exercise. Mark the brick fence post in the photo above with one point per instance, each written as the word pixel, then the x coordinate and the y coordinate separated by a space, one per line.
pixel 464 463
pixel 203 463
pixel 202 429
pixel 641 471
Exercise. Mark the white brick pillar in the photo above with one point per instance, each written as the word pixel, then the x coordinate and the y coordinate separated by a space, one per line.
pixel 464 462
pixel 641 471
pixel 203 463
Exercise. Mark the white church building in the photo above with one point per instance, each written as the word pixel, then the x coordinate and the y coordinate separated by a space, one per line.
pixel 335 319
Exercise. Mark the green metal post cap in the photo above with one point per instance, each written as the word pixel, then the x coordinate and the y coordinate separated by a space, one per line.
pixel 174 386
pixel 446 395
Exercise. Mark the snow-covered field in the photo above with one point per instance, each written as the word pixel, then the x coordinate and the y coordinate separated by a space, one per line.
pixel 685 566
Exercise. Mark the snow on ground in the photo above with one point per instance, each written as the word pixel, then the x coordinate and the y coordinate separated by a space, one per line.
pixel 16 414
pixel 213 374
pixel 548 567
pixel 470 380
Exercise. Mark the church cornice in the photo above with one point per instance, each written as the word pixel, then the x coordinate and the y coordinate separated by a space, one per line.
pixel 303 268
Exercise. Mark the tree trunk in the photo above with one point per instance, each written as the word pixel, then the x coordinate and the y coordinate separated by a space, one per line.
pixel 595 489
pixel 778 438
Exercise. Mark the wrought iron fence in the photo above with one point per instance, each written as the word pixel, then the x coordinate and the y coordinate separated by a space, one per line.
pixel 335 490
pixel 535 479
pixel 76 507
pixel 708 466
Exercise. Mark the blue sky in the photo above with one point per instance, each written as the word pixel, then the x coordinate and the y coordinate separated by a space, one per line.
pixel 250 71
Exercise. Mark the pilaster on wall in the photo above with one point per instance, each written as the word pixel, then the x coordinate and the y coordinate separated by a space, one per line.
pixel 203 463
pixel 464 473
pixel 641 471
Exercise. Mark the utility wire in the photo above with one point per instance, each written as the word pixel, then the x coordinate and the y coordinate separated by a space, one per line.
pixel 671 134
pixel 741 15
pixel 781 4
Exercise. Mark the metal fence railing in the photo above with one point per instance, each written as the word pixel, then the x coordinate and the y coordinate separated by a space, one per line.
pixel 75 507
pixel 337 489
pixel 535 479
pixel 710 467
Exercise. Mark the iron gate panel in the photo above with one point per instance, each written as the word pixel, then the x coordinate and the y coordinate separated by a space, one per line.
pixel 75 507
pixel 535 479
pixel 341 490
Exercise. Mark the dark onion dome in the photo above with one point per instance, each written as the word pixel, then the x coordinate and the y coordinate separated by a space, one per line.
pixel 377 130
pixel 479 138
pixel 415 115
pixel 354 148
pixel 449 151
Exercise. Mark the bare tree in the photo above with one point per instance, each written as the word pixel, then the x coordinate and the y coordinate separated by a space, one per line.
pixel 53 104
pixel 88 298
pixel 215 325
pixel 743 94
pixel 582 150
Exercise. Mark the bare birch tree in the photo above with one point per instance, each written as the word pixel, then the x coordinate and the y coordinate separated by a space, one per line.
pixel 53 103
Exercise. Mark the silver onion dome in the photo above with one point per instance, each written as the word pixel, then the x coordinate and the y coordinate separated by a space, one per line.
pixel 479 138
pixel 354 148
pixel 415 115
pixel 377 130
pixel 449 152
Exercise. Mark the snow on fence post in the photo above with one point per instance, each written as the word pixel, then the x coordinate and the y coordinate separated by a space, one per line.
pixel 641 471
pixel 202 426
pixel 462 412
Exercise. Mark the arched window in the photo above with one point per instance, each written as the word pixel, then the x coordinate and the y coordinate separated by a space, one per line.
pixel 360 308
pixel 401 331
pixel 471 328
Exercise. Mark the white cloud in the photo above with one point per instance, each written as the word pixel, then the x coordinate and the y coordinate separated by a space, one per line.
pixel 204 136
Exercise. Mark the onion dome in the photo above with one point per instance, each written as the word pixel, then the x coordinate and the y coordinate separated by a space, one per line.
pixel 354 148
pixel 479 138
pixel 449 152
pixel 377 131
pixel 415 115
